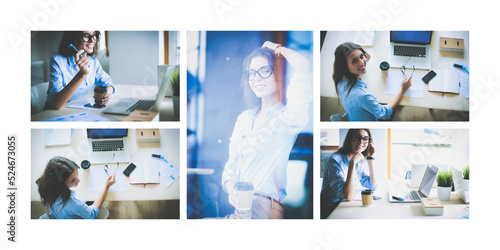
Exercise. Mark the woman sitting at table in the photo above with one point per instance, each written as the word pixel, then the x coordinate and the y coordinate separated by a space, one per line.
pixel 54 185
pixel 347 168
pixel 359 104
pixel 73 75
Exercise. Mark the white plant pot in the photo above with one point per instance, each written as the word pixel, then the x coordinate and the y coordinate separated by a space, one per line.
pixel 466 184
pixel 444 193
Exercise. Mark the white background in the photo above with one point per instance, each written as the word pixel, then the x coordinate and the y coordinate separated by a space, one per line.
pixel 18 18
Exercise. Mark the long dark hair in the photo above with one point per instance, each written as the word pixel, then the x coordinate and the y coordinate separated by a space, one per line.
pixel 278 74
pixel 340 69
pixel 74 37
pixel 52 184
pixel 347 146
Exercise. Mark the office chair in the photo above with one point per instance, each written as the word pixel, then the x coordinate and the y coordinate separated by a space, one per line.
pixel 38 97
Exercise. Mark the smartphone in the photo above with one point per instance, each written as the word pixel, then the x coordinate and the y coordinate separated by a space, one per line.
pixel 429 76
pixel 71 46
pixel 129 169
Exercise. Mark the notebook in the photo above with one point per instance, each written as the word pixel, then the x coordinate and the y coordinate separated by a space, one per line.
pixel 410 48
pixel 448 83
pixel 108 146
pixel 128 105
pixel 145 172
pixel 423 191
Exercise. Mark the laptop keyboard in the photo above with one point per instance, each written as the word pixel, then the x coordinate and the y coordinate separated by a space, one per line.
pixel 107 145
pixel 142 105
pixel 413 195
pixel 412 51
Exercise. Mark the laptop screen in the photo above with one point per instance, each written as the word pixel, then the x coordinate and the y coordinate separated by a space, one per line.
pixel 414 37
pixel 428 180
pixel 106 133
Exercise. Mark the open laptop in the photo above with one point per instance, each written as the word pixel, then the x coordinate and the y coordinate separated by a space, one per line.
pixel 458 181
pixel 423 191
pixel 128 105
pixel 108 146
pixel 410 48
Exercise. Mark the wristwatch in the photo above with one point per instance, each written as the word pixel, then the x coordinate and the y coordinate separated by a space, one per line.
pixel 370 158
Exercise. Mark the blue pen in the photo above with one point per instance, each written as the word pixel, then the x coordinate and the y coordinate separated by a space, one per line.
pixel 74 48
pixel 397 198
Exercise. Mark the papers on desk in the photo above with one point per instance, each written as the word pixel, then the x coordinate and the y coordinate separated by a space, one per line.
pixel 395 77
pixel 79 117
pixel 169 172
pixel 58 137
pixel 98 177
pixel 88 104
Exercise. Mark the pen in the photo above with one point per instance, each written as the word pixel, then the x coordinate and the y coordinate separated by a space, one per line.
pixel 74 48
pixel 397 198
pixel 461 67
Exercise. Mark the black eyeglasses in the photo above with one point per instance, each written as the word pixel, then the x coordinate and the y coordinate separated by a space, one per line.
pixel 365 139
pixel 86 37
pixel 403 70
pixel 264 72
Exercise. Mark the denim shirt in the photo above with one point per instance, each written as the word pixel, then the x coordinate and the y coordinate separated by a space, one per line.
pixel 335 176
pixel 74 209
pixel 359 104
pixel 64 69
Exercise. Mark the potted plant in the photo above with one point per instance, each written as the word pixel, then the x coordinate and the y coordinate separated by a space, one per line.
pixel 444 179
pixel 466 178
pixel 175 86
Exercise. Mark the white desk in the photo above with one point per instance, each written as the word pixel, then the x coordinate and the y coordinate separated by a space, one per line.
pixel 376 81
pixel 383 209
pixel 78 151
pixel 166 109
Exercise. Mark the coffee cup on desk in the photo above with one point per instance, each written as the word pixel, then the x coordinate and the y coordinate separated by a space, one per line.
pixel 367 197
pixel 99 93
pixel 384 67
pixel 244 193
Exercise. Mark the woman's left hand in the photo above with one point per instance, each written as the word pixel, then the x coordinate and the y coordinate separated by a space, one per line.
pixel 270 45
pixel 371 150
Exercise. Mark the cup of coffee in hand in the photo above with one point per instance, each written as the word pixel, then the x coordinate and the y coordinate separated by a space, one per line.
pixel 99 93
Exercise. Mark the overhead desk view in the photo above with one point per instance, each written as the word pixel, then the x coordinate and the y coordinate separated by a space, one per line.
pixel 395 174
pixel 96 76
pixel 395 75
pixel 127 173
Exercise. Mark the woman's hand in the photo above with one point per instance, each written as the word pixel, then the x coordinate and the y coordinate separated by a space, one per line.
pixel 357 157
pixel 371 150
pixel 270 45
pixel 406 84
pixel 111 180
pixel 368 56
pixel 233 200
pixel 82 62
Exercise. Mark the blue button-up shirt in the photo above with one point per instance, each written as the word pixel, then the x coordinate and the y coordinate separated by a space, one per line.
pixel 74 209
pixel 335 176
pixel 359 104
pixel 64 69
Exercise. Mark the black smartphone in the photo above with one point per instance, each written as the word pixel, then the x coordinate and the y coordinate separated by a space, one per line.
pixel 129 169
pixel 429 76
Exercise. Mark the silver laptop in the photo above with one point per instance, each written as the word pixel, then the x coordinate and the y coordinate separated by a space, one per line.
pixel 126 106
pixel 410 49
pixel 458 181
pixel 108 146
pixel 423 191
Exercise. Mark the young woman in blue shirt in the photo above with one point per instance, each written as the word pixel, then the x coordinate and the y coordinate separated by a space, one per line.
pixel 263 136
pixel 359 104
pixel 350 166
pixel 73 75
pixel 54 186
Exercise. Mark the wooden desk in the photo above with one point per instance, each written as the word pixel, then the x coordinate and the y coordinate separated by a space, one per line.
pixel 376 81
pixel 383 209
pixel 122 91
pixel 78 151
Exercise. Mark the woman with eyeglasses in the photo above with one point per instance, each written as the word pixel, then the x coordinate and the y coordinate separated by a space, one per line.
pixel 347 168
pixel 359 104
pixel 264 135
pixel 54 186
pixel 73 74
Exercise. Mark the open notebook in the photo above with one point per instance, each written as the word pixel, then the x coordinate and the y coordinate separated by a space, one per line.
pixel 145 172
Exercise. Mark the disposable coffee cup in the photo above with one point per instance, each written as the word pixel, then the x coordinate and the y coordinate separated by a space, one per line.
pixel 99 93
pixel 85 164
pixel 244 193
pixel 384 67
pixel 367 197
